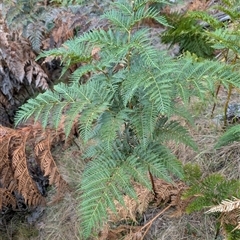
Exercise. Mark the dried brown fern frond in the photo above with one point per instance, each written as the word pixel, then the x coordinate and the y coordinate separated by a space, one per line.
pixel 7 180
pixel 25 184
pixel 6 198
pixel 18 147
pixel 62 31
pixel 124 232
pixel 20 75
pixel 230 212
pixel 226 206
pixel 17 55
pixel 171 193
pixel 165 193
pixel 132 207
pixel 67 24
pixel 47 163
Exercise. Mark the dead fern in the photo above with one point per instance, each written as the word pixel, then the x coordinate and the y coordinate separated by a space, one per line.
pixel 18 57
pixel 230 212
pixel 20 75
pixel 120 222
pixel 20 150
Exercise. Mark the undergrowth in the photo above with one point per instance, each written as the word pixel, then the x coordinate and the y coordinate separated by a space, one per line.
pixel 129 99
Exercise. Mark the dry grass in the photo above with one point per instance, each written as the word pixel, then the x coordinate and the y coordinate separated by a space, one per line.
pixel 187 227
pixel 60 221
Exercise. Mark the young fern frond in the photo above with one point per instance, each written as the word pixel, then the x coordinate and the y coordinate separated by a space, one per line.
pixel 210 190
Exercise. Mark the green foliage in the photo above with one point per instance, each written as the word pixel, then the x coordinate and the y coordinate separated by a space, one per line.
pixel 189 33
pixel 200 33
pixel 231 135
pixel 109 176
pixel 124 108
pixel 207 191
pixel 231 235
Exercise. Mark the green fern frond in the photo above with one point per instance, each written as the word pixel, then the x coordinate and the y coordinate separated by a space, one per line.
pixel 118 19
pixel 110 173
pixel 70 53
pixel 159 161
pixel 88 116
pixel 231 135
pixel 211 191
pixel 172 130
pixel 230 8
pixel 225 39
pixel 200 76
pixel 206 18
pixel 143 120
pixel 189 34
pixel 150 13
pixel 142 47
pixel 107 38
pixel 109 126
pixel 192 173
pixel 124 7
pixel 231 232
pixel 127 15
pixel 89 100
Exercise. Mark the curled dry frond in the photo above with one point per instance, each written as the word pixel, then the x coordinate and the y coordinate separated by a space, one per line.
pixel 226 206
pixel 230 212
pixel 16 53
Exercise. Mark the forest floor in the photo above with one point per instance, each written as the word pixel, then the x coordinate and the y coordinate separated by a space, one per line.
pixel 61 222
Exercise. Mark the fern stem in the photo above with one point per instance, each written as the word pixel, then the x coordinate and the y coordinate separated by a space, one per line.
pixel 129 52
pixel 226 104
pixel 214 105
pixel 153 185
pixel 229 95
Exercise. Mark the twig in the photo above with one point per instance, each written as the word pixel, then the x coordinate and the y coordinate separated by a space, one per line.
pixel 149 224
